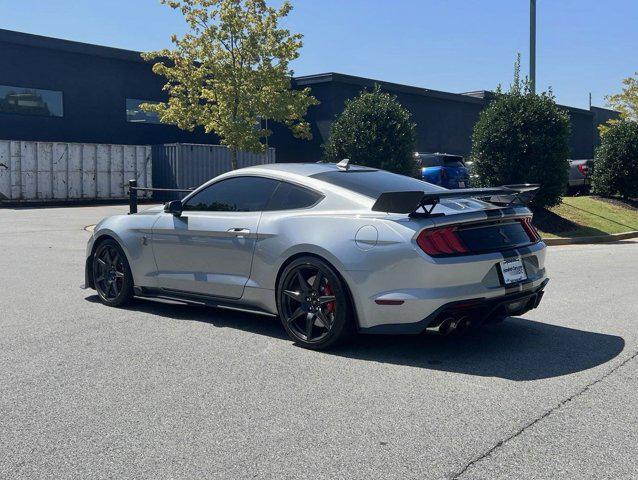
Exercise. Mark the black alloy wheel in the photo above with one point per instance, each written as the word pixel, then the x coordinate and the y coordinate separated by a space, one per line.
pixel 313 304
pixel 112 274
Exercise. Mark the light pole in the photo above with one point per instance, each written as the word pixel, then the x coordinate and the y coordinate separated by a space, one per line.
pixel 532 45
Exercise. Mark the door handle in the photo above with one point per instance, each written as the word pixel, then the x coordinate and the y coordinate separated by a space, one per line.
pixel 239 232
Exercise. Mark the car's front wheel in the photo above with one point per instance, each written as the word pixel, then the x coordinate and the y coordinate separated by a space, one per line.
pixel 313 304
pixel 111 274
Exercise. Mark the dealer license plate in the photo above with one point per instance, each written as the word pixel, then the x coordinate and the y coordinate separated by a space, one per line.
pixel 513 271
pixel 461 184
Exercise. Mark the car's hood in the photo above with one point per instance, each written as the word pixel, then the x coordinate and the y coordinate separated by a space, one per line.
pixel 152 210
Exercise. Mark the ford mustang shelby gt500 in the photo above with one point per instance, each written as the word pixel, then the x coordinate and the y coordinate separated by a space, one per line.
pixel 331 249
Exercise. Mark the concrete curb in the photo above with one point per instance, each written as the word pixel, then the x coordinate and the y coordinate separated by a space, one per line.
pixel 614 237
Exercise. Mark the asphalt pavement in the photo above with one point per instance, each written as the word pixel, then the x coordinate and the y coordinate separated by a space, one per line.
pixel 162 390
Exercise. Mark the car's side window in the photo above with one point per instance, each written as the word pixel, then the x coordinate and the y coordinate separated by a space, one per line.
pixel 238 194
pixel 290 197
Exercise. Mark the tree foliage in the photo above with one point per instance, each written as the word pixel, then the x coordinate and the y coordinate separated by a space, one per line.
pixel 374 130
pixel 616 161
pixel 522 137
pixel 625 103
pixel 231 71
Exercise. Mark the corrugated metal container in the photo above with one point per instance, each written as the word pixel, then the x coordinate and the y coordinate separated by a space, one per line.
pixel 46 171
pixel 187 165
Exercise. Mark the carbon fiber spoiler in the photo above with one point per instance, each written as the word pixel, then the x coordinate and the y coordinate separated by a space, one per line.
pixel 411 201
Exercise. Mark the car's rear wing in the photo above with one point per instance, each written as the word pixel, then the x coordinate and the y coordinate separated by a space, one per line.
pixel 411 201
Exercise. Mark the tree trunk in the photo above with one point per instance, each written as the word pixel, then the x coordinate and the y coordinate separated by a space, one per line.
pixel 233 158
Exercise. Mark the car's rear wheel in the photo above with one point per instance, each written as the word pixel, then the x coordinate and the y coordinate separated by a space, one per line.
pixel 313 304
pixel 112 275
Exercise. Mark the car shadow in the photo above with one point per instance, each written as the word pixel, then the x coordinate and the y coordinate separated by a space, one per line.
pixel 517 349
pixel 217 317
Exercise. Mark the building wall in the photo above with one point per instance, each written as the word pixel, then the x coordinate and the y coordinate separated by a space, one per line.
pixel 96 80
pixel 444 121
pixel 94 88
pixel 602 115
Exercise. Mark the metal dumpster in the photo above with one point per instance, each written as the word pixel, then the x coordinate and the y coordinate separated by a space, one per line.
pixel 187 165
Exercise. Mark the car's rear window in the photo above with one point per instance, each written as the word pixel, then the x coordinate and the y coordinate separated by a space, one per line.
pixel 452 161
pixel 373 183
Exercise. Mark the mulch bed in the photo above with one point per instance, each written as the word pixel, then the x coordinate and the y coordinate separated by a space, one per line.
pixel 630 203
pixel 548 221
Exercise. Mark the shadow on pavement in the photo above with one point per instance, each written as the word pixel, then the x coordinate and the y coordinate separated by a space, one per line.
pixel 517 349
pixel 217 317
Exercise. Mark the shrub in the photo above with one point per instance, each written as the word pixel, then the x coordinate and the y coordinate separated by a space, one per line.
pixel 374 130
pixel 522 137
pixel 616 161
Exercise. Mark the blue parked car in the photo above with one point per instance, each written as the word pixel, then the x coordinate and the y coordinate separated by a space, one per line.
pixel 443 169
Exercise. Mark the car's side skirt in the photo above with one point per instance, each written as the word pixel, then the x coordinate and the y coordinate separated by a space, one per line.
pixel 198 299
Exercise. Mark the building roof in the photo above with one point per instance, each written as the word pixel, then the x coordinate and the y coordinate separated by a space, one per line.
pixel 309 80
pixel 39 41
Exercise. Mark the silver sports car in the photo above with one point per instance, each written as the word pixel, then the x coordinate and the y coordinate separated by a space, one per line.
pixel 332 249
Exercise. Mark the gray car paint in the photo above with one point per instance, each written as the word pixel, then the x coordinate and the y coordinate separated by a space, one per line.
pixel 374 252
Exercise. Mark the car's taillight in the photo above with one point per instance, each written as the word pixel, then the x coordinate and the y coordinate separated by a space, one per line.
pixel 441 241
pixel 584 169
pixel 443 174
pixel 530 229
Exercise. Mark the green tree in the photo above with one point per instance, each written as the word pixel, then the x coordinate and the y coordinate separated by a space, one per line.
pixel 522 137
pixel 231 71
pixel 616 161
pixel 625 103
pixel 374 130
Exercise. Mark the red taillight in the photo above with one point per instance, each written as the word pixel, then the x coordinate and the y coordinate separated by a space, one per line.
pixel 441 241
pixel 443 174
pixel 584 169
pixel 530 229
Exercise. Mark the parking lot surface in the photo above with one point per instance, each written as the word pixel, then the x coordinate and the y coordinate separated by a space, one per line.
pixel 161 390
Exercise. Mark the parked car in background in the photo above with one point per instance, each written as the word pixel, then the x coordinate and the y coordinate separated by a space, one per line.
pixel 443 169
pixel 579 175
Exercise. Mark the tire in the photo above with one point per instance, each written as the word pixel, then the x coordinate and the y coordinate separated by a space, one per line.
pixel 313 304
pixel 112 275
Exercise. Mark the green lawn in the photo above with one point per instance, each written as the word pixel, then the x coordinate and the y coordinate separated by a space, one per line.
pixel 585 216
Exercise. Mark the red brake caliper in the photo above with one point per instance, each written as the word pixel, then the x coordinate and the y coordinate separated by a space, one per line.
pixel 328 291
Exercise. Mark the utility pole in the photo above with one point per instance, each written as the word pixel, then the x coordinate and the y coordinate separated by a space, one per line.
pixel 532 45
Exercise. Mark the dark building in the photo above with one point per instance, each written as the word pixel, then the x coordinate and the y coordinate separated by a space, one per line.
pixel 58 90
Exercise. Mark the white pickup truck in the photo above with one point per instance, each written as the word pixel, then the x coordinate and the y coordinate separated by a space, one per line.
pixel 579 175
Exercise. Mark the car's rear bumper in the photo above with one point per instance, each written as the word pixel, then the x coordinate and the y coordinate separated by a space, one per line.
pixel 475 311
pixel 399 296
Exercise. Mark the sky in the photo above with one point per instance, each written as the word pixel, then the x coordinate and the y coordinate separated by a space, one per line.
pixel 583 46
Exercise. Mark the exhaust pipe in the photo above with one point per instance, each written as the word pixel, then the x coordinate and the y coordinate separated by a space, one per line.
pixel 451 325
pixel 444 327
pixel 462 324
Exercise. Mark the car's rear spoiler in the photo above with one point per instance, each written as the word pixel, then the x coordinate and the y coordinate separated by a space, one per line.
pixel 411 201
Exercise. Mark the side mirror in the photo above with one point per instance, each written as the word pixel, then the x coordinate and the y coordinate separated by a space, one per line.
pixel 174 207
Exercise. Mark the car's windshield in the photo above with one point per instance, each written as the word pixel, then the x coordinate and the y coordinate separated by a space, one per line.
pixel 373 183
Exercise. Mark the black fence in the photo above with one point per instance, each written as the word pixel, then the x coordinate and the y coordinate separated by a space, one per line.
pixel 133 189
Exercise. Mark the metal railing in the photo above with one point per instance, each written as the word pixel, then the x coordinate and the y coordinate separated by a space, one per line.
pixel 133 189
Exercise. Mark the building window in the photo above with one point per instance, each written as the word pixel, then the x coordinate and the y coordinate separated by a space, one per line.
pixel 30 101
pixel 135 114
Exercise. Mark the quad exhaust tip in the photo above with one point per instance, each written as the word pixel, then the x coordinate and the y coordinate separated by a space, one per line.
pixel 450 325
